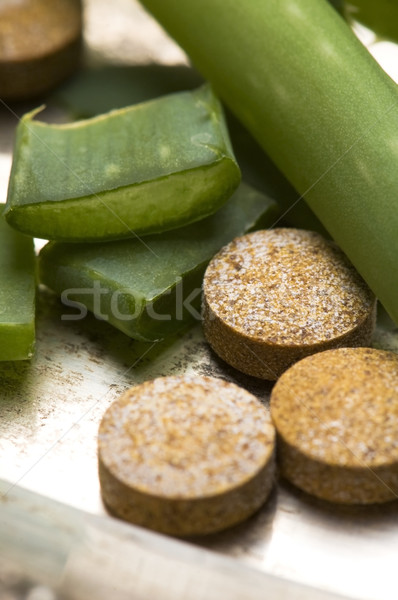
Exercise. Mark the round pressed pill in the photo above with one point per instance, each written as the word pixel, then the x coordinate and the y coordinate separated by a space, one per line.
pixel 40 42
pixel 186 455
pixel 336 415
pixel 273 297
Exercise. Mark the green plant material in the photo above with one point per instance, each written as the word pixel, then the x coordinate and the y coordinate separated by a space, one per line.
pixel 149 291
pixel 147 168
pixel 97 90
pixel 318 103
pixel 381 16
pixel 259 171
pixel 17 293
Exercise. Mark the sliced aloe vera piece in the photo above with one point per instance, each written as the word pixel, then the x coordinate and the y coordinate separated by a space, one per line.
pixel 147 168
pixel 17 293
pixel 153 290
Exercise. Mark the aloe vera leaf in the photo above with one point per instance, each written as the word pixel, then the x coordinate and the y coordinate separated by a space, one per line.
pixel 318 103
pixel 96 90
pixel 259 171
pixel 148 168
pixel 147 286
pixel 17 293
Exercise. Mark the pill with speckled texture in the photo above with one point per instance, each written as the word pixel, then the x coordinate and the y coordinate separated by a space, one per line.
pixel 186 455
pixel 336 415
pixel 273 297
pixel 40 44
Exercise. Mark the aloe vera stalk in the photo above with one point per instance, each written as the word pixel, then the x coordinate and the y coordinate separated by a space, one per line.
pixel 139 170
pixel 259 171
pixel 153 290
pixel 318 103
pixel 17 293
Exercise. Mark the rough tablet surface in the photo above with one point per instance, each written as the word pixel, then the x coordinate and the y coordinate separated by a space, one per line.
pixel 272 297
pixel 186 455
pixel 40 44
pixel 336 414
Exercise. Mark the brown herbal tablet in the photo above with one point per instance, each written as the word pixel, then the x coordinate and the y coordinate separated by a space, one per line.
pixel 336 415
pixel 40 42
pixel 186 455
pixel 273 297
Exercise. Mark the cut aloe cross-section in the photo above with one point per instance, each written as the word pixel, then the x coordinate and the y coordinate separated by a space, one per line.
pixel 143 169
pixel 153 290
pixel 17 293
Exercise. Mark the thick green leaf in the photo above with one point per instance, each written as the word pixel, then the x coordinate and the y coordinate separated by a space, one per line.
pixel 150 290
pixel 143 169
pixel 17 293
